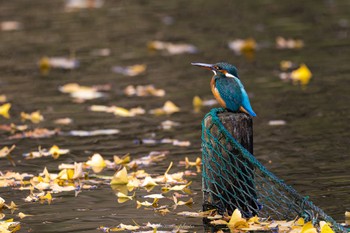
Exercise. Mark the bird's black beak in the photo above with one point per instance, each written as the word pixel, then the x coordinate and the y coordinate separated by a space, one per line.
pixel 204 65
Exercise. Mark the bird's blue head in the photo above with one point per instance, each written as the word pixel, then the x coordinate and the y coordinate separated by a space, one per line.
pixel 225 68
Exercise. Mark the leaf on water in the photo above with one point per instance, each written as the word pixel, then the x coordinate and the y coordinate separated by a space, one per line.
pixel 168 124
pixel 120 177
pixel 63 121
pixel 9 226
pixel 301 75
pixel 197 104
pixel 247 47
pixel 176 187
pixel 148 181
pixel 4 110
pixel 167 109
pixel 283 43
pixel 47 63
pixel 81 93
pixel 5 151
pixel 123 198
pixel 10 26
pixel 36 133
pixel 84 133
pixel 277 122
pixel 147 90
pixel 131 71
pixel 96 162
pixel 74 5
pixel 121 160
pixel 118 111
pixel 22 215
pixel 55 151
pixel 158 196
pixel 171 48
pixel 3 98
pixel 34 117
pixel 198 214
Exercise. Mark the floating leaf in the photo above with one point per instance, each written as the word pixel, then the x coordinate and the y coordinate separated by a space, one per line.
pixel 4 110
pixel 34 117
pixel 301 75
pixel 283 43
pixel 149 181
pixel 120 177
pixel 197 103
pixel 247 47
pixel 96 162
pixel 10 26
pixel 63 121
pixel 55 151
pixel 123 198
pixel 22 215
pixel 168 108
pixel 166 125
pixel 84 133
pixel 36 133
pixel 123 160
pixel 73 5
pixel 171 48
pixel 277 122
pixel 130 70
pixel 147 90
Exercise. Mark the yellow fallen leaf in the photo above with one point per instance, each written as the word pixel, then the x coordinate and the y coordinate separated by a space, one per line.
pixel 188 203
pixel 168 108
pixel 128 227
pixel 78 170
pixel 149 181
pixel 237 221
pixel 121 160
pixel 3 98
pixel 325 228
pixel 120 177
pixel 347 214
pixel 197 103
pixel 301 75
pixel 22 215
pixel 47 197
pixel 4 110
pixel 123 198
pixel 5 151
pixel 308 228
pixel 34 117
pixel 55 151
pixel 97 163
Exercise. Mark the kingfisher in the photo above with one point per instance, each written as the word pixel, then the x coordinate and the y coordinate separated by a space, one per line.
pixel 227 88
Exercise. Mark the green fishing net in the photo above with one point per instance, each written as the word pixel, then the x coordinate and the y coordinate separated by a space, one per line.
pixel 234 178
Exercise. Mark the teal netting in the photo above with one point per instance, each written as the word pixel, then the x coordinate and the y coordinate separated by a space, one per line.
pixel 234 178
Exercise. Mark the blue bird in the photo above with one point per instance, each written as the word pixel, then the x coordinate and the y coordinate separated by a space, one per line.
pixel 227 88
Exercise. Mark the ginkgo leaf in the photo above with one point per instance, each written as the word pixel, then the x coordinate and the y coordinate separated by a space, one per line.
pixel 34 117
pixel 120 177
pixel 22 215
pixel 325 228
pixel 237 221
pixel 97 163
pixel 149 181
pixel 4 110
pixel 308 228
pixel 301 75
pixel 121 160
pixel 197 104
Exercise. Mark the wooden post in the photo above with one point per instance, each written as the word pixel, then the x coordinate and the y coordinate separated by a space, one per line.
pixel 228 183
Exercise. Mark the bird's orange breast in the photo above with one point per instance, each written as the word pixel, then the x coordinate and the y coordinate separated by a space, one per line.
pixel 216 93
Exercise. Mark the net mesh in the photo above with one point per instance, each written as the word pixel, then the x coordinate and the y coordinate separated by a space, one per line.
pixel 234 178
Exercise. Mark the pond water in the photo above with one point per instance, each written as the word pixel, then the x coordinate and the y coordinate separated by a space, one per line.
pixel 310 152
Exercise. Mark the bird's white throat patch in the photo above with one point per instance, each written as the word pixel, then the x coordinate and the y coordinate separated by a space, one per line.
pixel 228 75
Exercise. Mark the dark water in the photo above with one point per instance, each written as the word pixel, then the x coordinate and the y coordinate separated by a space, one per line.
pixel 310 152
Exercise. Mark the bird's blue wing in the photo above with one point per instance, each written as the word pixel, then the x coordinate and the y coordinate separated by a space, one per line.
pixel 245 99
pixel 230 92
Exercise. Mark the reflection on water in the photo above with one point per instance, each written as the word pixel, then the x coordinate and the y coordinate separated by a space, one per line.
pixel 309 152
